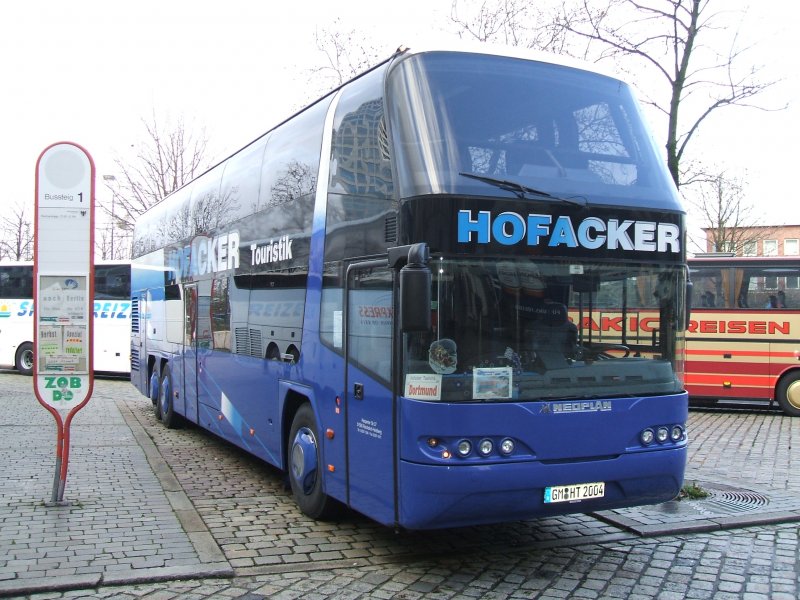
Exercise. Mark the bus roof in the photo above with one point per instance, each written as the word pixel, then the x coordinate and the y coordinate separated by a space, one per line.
pixel 512 52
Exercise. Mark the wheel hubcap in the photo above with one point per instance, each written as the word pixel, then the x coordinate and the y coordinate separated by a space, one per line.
pixel 304 459
pixel 164 399
pixel 793 394
pixel 154 394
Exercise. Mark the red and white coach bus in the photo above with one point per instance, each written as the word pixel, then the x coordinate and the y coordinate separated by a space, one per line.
pixel 743 340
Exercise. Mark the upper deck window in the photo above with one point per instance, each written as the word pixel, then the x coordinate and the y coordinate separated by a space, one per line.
pixel 555 128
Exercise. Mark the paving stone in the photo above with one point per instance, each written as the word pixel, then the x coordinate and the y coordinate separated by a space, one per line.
pixel 123 514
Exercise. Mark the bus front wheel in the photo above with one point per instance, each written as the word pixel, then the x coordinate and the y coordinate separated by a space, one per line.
pixel 788 394
pixel 23 360
pixel 305 473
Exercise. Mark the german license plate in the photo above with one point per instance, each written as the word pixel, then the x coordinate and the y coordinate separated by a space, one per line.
pixel 574 493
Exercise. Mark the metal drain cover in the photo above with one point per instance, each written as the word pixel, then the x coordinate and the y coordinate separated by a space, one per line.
pixel 724 499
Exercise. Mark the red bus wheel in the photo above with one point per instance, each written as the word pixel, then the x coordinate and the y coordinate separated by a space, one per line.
pixel 788 393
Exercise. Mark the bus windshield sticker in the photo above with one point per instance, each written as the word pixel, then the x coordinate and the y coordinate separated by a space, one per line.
pixel 443 356
pixel 423 386
pixel 491 382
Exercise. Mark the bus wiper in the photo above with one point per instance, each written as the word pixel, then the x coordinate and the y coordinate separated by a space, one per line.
pixel 522 191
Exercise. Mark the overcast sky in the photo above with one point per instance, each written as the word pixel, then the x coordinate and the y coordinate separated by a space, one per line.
pixel 88 71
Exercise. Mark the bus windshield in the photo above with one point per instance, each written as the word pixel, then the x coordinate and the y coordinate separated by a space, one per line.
pixel 561 130
pixel 525 330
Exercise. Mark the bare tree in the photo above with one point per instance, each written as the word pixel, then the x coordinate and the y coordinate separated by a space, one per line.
pixel 695 51
pixel 729 221
pixel 103 245
pixel 17 236
pixel 510 22
pixel 171 156
pixel 346 55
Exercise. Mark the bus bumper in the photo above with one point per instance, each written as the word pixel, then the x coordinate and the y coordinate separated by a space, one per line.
pixel 434 496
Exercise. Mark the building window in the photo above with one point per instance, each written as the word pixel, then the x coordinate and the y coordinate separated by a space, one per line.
pixel 724 246
pixel 750 249
pixel 791 247
pixel 770 247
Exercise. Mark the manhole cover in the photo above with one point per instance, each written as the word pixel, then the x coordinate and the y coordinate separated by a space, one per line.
pixel 727 500
pixel 723 502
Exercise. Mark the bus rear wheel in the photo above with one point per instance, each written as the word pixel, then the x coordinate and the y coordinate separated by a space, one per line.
pixel 788 394
pixel 153 387
pixel 305 473
pixel 165 408
pixel 23 360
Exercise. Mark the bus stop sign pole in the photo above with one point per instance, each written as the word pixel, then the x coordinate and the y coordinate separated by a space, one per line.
pixel 63 286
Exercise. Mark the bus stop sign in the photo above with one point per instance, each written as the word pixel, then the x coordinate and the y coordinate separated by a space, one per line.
pixel 63 280
pixel 63 275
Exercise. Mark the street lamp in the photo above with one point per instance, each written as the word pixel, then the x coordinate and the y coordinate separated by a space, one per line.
pixel 113 220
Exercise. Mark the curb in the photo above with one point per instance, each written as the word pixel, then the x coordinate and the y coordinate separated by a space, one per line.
pixel 212 559
pixel 38 585
pixel 203 542
pixel 698 525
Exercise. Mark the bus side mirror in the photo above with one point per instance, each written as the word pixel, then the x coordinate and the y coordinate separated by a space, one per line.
pixel 415 290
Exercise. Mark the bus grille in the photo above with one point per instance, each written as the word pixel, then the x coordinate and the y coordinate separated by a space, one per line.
pixel 134 359
pixel 248 342
pixel 134 315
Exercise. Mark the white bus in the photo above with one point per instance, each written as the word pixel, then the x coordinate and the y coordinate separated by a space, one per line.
pixel 112 314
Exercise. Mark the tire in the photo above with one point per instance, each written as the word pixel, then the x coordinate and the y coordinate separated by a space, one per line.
pixel 165 407
pixel 788 393
pixel 23 360
pixel 153 388
pixel 304 466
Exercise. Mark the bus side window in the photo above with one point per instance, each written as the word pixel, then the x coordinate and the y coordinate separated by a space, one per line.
pixel 782 299
pixel 741 302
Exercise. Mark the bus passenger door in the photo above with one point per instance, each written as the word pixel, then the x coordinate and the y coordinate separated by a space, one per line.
pixel 187 405
pixel 370 419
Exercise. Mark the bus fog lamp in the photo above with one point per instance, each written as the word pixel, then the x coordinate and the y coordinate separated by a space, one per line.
pixel 507 446
pixel 485 447
pixel 464 448
pixel 676 434
pixel 647 436
pixel 662 435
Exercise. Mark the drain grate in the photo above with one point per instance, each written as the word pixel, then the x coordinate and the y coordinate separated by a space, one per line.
pixel 728 500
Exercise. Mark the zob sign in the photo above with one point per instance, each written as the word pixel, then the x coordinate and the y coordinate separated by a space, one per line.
pixel 62 389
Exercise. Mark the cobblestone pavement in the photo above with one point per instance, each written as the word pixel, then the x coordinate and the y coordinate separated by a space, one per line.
pixel 157 513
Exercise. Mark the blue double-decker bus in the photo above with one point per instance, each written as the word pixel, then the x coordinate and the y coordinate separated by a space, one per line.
pixel 450 292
